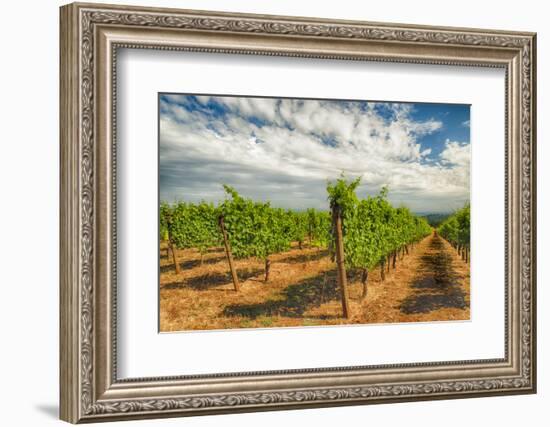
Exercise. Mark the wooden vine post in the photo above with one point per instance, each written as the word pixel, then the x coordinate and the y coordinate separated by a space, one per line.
pixel 382 268
pixel 176 264
pixel 229 255
pixel 171 245
pixel 364 279
pixel 267 268
pixel 341 268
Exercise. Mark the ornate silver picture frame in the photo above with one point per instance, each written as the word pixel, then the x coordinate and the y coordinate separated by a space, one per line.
pixel 91 35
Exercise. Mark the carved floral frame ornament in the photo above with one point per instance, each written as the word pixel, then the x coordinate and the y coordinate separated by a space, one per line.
pixel 90 37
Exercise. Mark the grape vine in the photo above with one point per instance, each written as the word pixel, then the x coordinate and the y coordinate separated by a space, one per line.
pixel 373 232
pixel 372 229
pixel 456 230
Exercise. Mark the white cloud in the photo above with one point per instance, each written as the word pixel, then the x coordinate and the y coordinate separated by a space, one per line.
pixel 456 153
pixel 300 144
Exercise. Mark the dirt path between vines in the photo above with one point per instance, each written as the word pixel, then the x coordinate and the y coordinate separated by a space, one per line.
pixel 431 283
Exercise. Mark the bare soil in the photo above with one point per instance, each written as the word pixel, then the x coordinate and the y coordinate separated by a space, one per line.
pixel 431 283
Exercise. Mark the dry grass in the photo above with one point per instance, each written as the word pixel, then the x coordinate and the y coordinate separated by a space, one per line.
pixel 431 283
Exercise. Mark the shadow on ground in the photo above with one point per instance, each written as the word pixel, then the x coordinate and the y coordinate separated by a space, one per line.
pixel 191 263
pixel 207 281
pixel 437 285
pixel 304 258
pixel 295 299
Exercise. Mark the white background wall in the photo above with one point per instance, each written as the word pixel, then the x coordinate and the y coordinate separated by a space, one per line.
pixel 29 170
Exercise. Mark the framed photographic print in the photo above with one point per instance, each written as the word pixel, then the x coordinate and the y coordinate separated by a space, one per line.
pixel 280 242
pixel 266 212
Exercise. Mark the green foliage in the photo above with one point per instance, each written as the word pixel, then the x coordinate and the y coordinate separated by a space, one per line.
pixel 341 194
pixel 318 227
pixel 255 229
pixel 372 227
pixel 363 234
pixel 193 226
pixel 164 214
pixel 296 226
pixel 456 228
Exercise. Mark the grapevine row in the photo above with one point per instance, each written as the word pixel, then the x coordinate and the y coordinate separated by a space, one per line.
pixel 360 234
pixel 251 228
pixel 370 232
pixel 456 230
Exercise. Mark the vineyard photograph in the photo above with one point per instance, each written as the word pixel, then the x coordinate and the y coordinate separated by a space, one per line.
pixel 294 212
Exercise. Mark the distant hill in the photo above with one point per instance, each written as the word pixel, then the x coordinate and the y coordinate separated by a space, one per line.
pixel 434 219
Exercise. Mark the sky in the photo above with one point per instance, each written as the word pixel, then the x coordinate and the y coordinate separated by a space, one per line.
pixel 285 150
